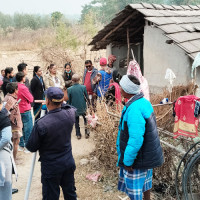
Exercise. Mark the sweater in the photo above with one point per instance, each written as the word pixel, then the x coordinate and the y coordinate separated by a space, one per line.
pixel 94 73
pixel 26 98
pixel 78 96
pixel 15 117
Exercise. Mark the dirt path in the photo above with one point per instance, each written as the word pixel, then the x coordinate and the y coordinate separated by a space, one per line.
pixel 86 190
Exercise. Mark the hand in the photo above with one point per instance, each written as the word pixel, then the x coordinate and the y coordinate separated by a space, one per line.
pixel 9 105
pixel 128 168
pixel 94 95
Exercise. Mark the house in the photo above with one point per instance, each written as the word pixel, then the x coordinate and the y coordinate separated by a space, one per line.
pixel 161 37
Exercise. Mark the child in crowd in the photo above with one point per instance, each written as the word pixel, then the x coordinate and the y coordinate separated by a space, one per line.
pixel 106 76
pixel 15 117
pixel 113 94
pixel 77 97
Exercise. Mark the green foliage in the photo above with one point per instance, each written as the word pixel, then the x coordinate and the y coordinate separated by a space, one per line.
pixel 56 18
pixel 65 37
pixel 105 10
pixel 89 24
pixel 27 21
pixel 20 21
pixel 5 21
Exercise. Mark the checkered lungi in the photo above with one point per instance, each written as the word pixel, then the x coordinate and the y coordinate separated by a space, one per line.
pixel 135 182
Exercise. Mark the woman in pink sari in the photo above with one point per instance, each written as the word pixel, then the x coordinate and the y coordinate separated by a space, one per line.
pixel 134 69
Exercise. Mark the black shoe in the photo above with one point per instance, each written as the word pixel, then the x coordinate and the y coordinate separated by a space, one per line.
pixel 79 137
pixel 87 136
pixel 14 191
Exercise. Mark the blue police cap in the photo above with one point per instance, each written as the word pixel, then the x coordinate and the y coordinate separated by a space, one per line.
pixel 54 94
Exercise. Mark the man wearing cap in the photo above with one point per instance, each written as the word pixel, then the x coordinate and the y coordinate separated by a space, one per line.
pixel 51 135
pixel 138 143
pixel 106 76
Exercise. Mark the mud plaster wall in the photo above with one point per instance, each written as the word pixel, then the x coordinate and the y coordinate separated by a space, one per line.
pixel 158 56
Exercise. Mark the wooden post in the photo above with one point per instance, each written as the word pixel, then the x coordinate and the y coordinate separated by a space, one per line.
pixel 128 44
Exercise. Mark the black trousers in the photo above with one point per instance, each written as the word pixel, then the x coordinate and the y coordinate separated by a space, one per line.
pixel 51 186
pixel 77 126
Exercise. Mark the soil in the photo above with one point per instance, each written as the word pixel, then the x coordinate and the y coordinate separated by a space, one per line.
pixel 86 190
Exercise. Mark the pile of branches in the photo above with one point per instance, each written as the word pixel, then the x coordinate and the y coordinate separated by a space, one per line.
pixel 106 136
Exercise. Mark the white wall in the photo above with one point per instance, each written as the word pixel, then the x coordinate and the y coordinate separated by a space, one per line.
pixel 158 56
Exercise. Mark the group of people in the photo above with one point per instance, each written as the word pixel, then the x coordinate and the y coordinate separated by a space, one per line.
pixel 66 99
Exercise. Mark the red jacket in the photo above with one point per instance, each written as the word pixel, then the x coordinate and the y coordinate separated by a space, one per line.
pixel 26 98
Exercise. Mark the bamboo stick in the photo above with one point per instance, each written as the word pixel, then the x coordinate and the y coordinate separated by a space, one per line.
pixel 128 44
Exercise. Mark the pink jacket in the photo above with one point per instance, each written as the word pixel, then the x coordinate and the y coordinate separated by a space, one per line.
pixel 26 98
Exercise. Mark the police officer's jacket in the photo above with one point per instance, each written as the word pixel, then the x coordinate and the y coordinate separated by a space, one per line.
pixel 51 135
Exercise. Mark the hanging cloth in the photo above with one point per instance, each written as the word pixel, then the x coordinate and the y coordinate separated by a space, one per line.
pixel 118 98
pixel 134 69
pixel 195 64
pixel 170 76
pixel 186 123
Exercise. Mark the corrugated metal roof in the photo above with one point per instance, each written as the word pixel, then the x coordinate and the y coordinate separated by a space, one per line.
pixel 179 23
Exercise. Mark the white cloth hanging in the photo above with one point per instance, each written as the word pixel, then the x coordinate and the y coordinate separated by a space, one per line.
pixel 170 76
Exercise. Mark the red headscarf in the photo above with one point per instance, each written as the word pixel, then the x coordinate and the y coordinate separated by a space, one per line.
pixel 112 58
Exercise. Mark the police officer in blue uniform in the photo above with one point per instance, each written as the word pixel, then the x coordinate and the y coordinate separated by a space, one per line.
pixel 51 135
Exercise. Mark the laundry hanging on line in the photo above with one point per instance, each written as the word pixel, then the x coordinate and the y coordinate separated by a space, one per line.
pixel 186 124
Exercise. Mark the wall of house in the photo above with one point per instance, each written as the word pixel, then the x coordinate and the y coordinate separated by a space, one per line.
pixel 158 56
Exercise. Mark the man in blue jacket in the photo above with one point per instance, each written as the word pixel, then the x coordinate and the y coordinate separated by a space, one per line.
pixel 138 143
pixel 51 135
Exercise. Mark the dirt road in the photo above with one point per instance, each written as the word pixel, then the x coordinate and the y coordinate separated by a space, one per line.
pixel 86 190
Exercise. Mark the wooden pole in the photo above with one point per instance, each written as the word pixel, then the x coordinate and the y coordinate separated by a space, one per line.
pixel 117 27
pixel 128 44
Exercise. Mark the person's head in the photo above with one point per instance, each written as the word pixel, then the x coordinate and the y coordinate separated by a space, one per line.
pixel 9 73
pixel 54 98
pixel 116 76
pixel 3 72
pixel 111 60
pixel 68 67
pixel 22 67
pixel 130 86
pixel 20 77
pixel 88 65
pixel 103 62
pixel 37 71
pixel 12 88
pixel 52 69
pixel 75 78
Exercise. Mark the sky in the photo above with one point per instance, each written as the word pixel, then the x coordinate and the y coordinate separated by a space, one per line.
pixel 67 7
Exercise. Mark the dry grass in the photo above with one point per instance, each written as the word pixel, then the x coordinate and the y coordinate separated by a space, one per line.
pixel 26 39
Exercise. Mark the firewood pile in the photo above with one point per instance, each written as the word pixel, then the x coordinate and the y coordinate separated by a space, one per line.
pixel 106 136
